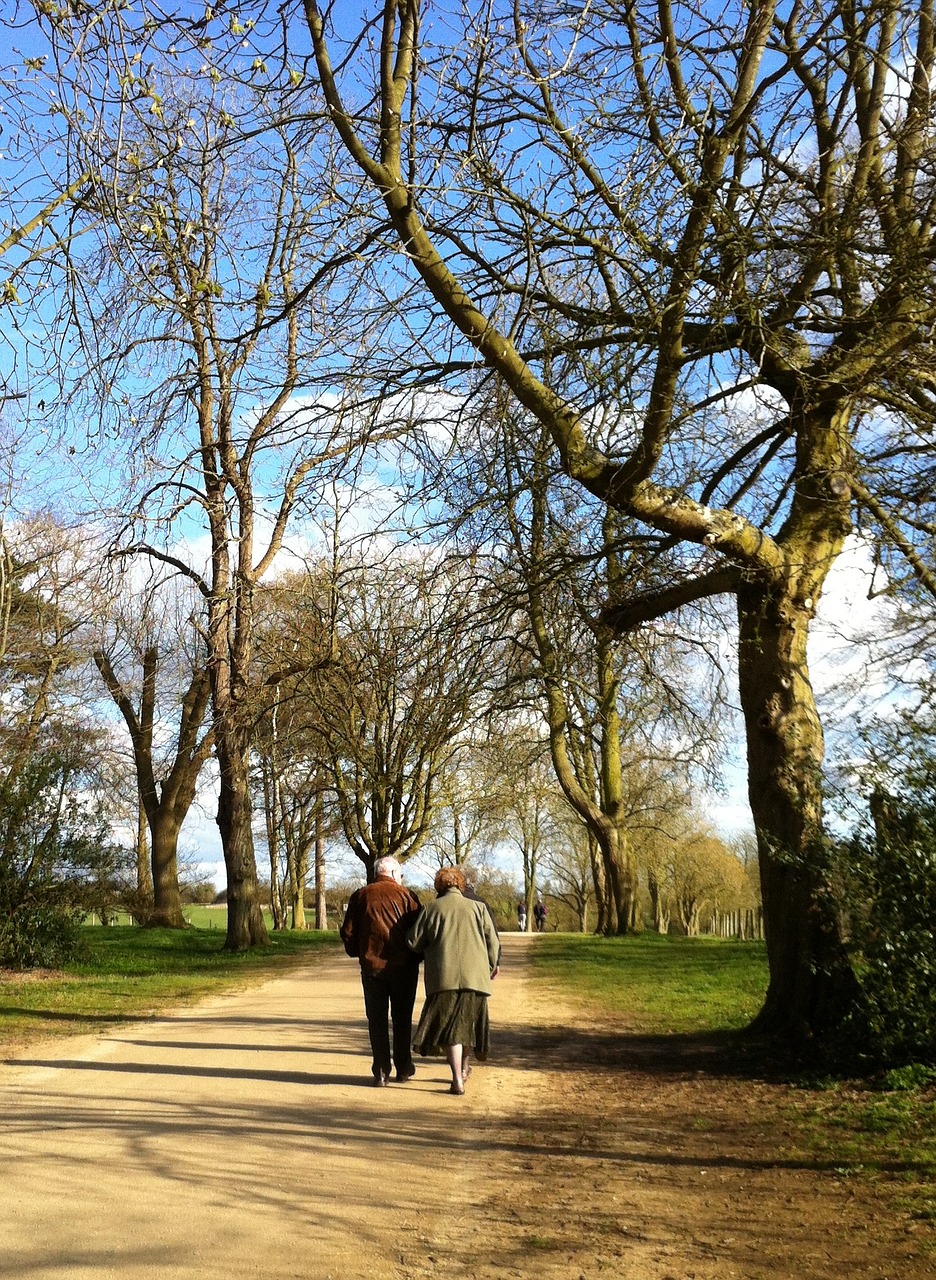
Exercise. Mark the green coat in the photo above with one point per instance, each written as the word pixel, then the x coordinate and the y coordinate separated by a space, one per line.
pixel 456 935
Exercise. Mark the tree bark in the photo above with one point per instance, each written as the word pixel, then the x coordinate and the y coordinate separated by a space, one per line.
pixel 620 875
pixel 657 903
pixel 143 867
pixel 167 900
pixel 245 925
pixel 811 981
pixel 271 815
pixel 605 922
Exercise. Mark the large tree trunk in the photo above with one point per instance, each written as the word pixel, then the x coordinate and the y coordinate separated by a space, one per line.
pixel 604 908
pixel 144 871
pixel 620 877
pixel 245 925
pixel 167 901
pixel 272 822
pixel 811 982
pixel 296 861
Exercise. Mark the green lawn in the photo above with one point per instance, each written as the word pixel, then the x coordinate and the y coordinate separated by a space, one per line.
pixel 125 973
pixel 201 917
pixel 659 984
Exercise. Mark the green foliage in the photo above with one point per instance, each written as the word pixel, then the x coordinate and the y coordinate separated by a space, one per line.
pixel 51 848
pixel 39 926
pixel 913 1076
pixel 889 884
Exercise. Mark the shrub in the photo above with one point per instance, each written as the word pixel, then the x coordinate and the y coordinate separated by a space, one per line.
pixel 49 845
pixel 38 929
pixel 890 893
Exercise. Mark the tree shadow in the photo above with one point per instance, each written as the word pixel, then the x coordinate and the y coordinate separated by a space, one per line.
pixel 720 1055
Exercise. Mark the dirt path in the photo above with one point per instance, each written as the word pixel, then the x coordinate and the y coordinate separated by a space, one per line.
pixel 242 1139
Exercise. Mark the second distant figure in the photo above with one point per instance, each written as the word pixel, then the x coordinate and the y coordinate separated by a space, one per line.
pixel 457 938
pixel 374 930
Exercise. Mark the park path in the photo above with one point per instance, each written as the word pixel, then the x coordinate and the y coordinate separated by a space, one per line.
pixel 241 1138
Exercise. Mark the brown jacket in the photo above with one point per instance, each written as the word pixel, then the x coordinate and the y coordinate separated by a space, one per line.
pixel 375 926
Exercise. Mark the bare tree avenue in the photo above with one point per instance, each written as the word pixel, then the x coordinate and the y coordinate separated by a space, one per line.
pixel 724 222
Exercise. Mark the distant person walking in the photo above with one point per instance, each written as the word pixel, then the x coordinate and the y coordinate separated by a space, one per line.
pixel 457 938
pixel 521 917
pixel 539 916
pixel 374 930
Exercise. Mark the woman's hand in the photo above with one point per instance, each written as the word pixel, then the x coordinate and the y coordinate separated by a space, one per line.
pixel 495 972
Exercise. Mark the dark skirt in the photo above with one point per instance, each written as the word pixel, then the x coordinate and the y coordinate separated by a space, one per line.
pixel 453 1017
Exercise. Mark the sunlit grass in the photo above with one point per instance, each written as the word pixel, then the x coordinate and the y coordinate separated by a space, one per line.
pixel 659 984
pixel 125 973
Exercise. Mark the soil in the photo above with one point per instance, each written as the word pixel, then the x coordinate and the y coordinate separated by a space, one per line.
pixel 242 1138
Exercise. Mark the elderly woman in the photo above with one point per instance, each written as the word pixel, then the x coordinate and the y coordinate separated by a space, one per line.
pixel 456 935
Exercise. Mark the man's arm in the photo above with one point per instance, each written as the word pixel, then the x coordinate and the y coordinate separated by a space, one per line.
pixel 348 931
pixel 416 937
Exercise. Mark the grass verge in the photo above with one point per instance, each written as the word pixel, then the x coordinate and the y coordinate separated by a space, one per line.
pixel 876 1129
pixel 659 985
pixel 126 973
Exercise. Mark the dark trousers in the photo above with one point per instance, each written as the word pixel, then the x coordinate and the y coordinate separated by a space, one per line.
pixel 391 995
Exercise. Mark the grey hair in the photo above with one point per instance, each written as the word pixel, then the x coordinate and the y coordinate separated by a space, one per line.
pixel 388 867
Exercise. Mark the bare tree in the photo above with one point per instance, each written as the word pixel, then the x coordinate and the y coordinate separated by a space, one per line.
pixel 410 657
pixel 467 804
pixel 568 867
pixel 198 257
pixel 130 666
pixel 725 226
pixel 529 800
pixel 607 705
pixel 298 810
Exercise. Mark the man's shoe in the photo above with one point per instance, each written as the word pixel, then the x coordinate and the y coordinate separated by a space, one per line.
pixel 403 1076
pixel 380 1078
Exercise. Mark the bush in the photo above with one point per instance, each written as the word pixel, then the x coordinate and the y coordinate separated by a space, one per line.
pixel 41 931
pixel 890 890
pixel 50 845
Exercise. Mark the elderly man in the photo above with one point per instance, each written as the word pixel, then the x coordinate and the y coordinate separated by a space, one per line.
pixel 374 930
